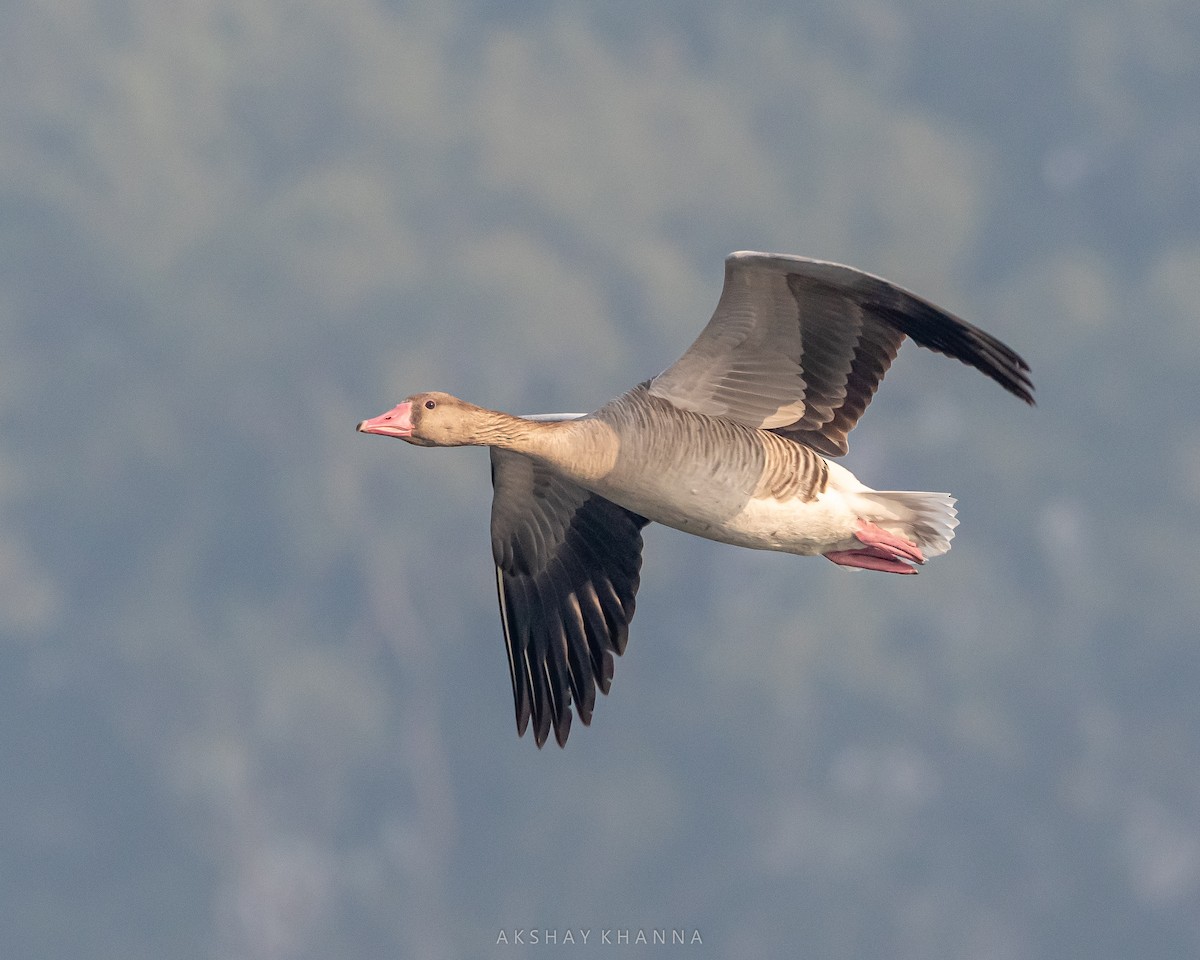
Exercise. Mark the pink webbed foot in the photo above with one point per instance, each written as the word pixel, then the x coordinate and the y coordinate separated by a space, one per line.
pixel 883 551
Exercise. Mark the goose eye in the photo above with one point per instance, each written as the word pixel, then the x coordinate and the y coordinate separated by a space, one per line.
pixel 430 404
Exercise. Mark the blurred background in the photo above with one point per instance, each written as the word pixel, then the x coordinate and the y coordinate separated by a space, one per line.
pixel 254 700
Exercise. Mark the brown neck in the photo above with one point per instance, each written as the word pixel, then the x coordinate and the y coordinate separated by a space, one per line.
pixel 582 449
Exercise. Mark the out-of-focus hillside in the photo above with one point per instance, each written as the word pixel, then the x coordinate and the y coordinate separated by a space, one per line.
pixel 253 694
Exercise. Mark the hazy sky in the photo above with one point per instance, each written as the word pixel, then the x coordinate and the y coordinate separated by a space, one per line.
pixel 254 695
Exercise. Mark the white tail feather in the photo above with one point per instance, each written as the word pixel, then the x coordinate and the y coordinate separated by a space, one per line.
pixel 928 519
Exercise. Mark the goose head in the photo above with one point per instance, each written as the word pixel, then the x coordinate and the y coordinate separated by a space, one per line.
pixel 431 420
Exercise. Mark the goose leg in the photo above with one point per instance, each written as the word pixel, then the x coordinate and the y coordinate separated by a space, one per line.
pixel 883 551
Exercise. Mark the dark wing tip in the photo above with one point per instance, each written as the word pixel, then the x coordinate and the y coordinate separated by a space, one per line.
pixel 541 727
pixel 562 726
pixel 935 329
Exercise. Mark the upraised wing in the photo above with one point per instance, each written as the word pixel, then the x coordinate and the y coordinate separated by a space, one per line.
pixel 799 346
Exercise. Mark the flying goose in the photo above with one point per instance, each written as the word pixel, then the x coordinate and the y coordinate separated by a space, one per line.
pixel 729 443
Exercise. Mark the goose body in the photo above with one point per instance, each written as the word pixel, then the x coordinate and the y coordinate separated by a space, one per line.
pixel 731 443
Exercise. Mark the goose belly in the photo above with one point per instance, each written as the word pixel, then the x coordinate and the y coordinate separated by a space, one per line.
pixel 762 523
pixel 806 528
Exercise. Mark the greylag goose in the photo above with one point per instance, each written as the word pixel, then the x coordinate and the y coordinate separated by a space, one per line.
pixel 730 443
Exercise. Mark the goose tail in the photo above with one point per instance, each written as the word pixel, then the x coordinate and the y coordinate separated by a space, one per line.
pixel 928 519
